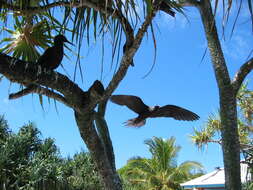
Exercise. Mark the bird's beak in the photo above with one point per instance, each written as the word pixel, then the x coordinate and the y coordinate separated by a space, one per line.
pixel 69 42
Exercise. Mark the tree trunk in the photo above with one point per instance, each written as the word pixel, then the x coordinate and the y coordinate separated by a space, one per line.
pixel 96 147
pixel 227 96
pixel 230 139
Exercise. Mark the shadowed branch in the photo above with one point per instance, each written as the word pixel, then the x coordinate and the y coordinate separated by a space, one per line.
pixel 39 90
pixel 26 73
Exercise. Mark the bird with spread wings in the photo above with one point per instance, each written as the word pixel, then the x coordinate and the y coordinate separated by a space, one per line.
pixel 136 104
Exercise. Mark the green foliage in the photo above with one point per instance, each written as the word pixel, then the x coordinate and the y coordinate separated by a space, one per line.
pixel 211 131
pixel 245 103
pixel 161 171
pixel 29 163
pixel 83 177
pixel 25 39
pixel 4 131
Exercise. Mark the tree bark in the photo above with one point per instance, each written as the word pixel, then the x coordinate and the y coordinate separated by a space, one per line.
pixel 97 149
pixel 227 97
pixel 104 134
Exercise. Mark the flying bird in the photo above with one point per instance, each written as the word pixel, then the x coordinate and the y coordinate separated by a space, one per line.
pixel 52 57
pixel 136 104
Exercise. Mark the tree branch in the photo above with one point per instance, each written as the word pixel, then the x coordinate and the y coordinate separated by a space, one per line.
pixel 244 70
pixel 97 149
pixel 26 73
pixel 39 90
pixel 127 57
pixel 104 134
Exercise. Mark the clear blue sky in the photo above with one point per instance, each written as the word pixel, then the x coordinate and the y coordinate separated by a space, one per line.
pixel 178 78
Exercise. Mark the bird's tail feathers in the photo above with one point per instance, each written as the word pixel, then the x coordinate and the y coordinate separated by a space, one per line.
pixel 135 122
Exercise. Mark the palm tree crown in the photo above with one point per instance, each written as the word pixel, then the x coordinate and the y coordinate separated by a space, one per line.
pixel 161 171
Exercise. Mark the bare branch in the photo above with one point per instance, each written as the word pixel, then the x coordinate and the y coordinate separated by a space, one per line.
pixel 25 73
pixel 244 70
pixel 127 57
pixel 30 89
pixel 39 90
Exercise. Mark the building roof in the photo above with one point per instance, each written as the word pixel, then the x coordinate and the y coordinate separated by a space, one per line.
pixel 214 179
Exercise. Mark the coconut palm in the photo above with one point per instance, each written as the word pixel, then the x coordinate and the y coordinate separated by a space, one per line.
pixel 161 171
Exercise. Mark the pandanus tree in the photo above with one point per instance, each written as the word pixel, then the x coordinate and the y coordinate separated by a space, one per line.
pixel 116 16
pixel 120 18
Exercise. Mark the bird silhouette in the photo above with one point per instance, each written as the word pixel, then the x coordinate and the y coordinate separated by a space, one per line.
pixel 49 60
pixel 52 57
pixel 136 104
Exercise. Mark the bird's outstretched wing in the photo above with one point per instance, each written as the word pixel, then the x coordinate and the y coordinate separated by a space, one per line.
pixel 175 112
pixel 132 102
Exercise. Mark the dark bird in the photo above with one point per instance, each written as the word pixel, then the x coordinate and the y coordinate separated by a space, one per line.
pixel 52 57
pixel 49 60
pixel 136 104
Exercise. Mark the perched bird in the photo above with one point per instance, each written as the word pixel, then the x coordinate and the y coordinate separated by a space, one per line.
pixel 52 57
pixel 136 104
pixel 49 60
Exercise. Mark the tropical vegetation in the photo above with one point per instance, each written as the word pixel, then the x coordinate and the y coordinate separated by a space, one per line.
pixel 28 162
pixel 161 171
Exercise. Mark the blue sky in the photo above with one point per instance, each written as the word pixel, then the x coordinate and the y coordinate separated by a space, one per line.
pixel 179 77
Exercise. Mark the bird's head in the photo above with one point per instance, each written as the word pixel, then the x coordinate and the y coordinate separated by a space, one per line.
pixel 60 39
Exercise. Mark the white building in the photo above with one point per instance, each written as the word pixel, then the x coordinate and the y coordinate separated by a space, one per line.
pixel 214 180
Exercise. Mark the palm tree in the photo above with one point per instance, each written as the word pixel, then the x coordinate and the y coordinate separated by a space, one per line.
pixel 161 171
